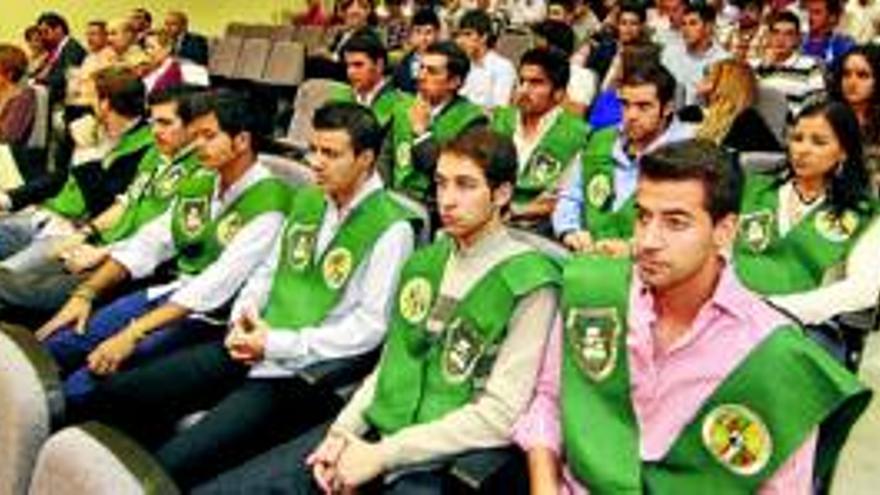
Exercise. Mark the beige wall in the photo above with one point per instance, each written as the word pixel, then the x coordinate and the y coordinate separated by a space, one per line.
pixel 206 16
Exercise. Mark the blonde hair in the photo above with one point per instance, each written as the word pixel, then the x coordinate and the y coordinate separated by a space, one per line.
pixel 733 90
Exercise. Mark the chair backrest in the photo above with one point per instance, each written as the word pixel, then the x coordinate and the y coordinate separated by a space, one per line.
pixel 31 401
pixel 761 161
pixel 773 107
pixel 291 171
pixel 252 59
pixel 541 243
pixel 259 31
pixel 423 235
pixel 314 38
pixel 225 56
pixel 236 30
pixel 286 64
pixel 310 96
pixel 284 33
pixel 98 460
pixel 513 45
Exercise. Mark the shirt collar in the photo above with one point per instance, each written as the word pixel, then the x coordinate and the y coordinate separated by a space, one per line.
pixel 252 175
pixel 674 131
pixel 486 243
pixel 371 185
pixel 374 93
pixel 544 124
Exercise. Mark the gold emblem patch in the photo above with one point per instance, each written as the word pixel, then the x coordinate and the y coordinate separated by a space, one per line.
pixel 461 352
pixel 404 154
pixel 599 190
pixel 594 334
pixel 166 184
pixel 337 267
pixel 836 228
pixel 228 227
pixel 194 212
pixel 755 229
pixel 544 169
pixel 300 240
pixel 737 438
pixel 415 300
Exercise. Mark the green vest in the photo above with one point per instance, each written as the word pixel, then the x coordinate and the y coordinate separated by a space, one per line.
pixel 151 192
pixel 199 239
pixel 557 148
pixel 426 374
pixel 601 220
pixel 69 202
pixel 305 289
pixel 452 121
pixel 797 262
pixel 741 435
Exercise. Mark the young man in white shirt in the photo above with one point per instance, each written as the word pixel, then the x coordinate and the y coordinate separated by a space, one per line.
pixel 490 81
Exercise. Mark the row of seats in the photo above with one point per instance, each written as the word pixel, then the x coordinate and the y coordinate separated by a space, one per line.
pixel 259 60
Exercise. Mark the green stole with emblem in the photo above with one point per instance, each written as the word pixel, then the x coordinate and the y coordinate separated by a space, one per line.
pixel 382 106
pixel 69 202
pixel 457 116
pixel 557 148
pixel 424 375
pixel 199 239
pixel 796 262
pixel 601 220
pixel 304 289
pixel 742 433
pixel 151 192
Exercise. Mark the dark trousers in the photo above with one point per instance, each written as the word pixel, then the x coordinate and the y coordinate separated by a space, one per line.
pixel 283 471
pixel 244 418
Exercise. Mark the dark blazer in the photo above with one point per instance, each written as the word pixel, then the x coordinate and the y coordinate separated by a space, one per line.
pixel 193 47
pixel 403 77
pixel 72 55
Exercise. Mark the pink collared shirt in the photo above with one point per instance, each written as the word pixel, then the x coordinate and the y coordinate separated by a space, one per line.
pixel 669 386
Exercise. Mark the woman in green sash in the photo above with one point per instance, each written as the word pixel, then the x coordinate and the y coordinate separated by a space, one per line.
pixel 806 231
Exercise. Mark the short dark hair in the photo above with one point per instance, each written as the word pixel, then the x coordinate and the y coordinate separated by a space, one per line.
pixel 703 160
pixel 13 62
pixel 634 7
pixel 122 88
pixel 784 16
pixel 426 17
pixel 477 20
pixel 553 62
pixel 366 41
pixel 651 73
pixel 493 152
pixel 705 11
pixel 234 111
pixel 358 121
pixel 557 33
pixel 457 62
pixel 98 23
pixel 54 21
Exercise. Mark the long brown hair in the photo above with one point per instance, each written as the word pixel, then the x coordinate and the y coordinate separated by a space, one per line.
pixel 733 90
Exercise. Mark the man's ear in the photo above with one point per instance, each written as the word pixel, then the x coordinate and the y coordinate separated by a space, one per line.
pixel 502 195
pixel 366 159
pixel 724 232
pixel 243 140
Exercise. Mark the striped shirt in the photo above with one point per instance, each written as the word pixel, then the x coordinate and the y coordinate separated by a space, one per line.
pixel 799 78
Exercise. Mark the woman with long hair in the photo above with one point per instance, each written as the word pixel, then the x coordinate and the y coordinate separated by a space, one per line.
pixel 729 90
pixel 804 224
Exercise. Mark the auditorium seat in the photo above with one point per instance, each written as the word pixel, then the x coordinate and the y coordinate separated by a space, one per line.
pixel 31 402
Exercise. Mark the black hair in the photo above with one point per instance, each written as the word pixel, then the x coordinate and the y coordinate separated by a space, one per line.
pixel 366 41
pixel 634 7
pixel 493 152
pixel 122 88
pixel 553 62
pixel 457 62
pixel 702 9
pixel 847 186
pixel 654 74
pixel 357 121
pixel 54 21
pixel 703 160
pixel 235 113
pixel 173 94
pixel 426 17
pixel 477 20
pixel 871 53
pixel 557 33
pixel 784 16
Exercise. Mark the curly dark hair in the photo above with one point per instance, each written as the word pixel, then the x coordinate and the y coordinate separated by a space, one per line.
pixel 871 52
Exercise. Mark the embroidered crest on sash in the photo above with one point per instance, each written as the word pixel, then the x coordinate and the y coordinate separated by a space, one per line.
pixel 755 229
pixel 403 154
pixel 599 190
pixel 300 240
pixel 138 186
pixel 593 334
pixel 228 227
pixel 337 267
pixel 836 228
pixel 166 184
pixel 194 212
pixel 461 351
pixel 543 168
pixel 737 438
pixel 415 300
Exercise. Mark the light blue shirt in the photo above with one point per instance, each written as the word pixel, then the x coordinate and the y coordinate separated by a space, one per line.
pixel 689 68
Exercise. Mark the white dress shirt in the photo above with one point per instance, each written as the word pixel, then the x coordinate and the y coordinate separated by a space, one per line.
pixel 359 320
pixel 490 81
pixel 153 244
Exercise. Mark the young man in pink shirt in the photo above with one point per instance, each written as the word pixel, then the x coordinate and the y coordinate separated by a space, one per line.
pixel 665 375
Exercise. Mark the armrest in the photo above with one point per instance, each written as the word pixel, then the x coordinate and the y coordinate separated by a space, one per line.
pixel 488 470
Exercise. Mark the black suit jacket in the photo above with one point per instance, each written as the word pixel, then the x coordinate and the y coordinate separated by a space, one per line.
pixel 193 47
pixel 72 55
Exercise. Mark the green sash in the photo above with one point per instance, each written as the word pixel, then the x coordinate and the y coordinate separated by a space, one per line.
pixel 455 118
pixel 425 374
pixel 602 221
pixel 305 289
pixel 151 192
pixel 69 202
pixel 742 434
pixel 557 148
pixel 199 238
pixel 796 262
